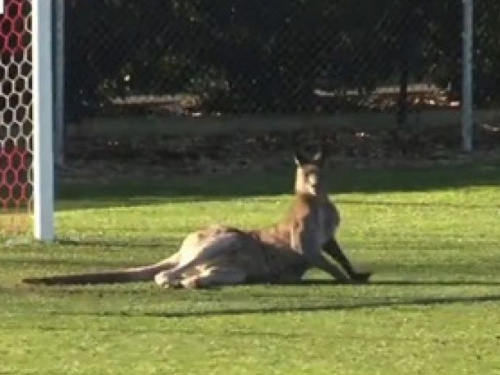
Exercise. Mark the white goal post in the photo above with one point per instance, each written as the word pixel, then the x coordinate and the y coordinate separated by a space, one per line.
pixel 43 121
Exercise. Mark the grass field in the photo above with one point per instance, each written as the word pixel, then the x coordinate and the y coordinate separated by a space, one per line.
pixel 432 237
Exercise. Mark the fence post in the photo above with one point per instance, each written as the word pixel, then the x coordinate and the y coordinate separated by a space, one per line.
pixel 467 81
pixel 43 122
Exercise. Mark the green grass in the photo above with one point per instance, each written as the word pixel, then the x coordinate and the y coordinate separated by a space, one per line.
pixel 432 236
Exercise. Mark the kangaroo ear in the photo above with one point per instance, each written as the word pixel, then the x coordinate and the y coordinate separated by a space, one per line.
pixel 320 156
pixel 300 159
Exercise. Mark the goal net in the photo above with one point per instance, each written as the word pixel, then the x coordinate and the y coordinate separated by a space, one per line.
pixel 16 122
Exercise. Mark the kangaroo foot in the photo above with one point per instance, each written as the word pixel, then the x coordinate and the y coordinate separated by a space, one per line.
pixel 361 277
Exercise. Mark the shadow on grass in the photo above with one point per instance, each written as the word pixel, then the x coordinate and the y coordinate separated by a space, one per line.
pixel 102 288
pixel 435 205
pixel 374 304
pixel 254 184
pixel 307 283
pixel 333 307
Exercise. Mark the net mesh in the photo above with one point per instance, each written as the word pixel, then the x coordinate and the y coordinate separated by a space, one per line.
pixel 15 116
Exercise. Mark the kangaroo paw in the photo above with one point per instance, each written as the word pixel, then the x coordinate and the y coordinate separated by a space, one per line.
pixel 361 277
pixel 164 281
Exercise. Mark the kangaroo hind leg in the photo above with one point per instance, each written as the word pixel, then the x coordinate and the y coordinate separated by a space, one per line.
pixel 215 276
pixel 207 252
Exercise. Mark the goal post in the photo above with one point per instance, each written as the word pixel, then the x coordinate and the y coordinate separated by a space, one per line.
pixel 43 121
pixel 26 119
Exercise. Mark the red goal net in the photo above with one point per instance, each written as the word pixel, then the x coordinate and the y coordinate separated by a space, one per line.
pixel 15 116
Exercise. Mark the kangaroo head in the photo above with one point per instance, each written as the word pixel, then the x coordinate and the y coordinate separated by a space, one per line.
pixel 309 177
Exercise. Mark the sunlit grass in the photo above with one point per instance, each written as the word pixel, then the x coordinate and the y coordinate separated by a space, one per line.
pixel 431 236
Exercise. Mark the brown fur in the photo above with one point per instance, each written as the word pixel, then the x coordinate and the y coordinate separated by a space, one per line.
pixel 220 255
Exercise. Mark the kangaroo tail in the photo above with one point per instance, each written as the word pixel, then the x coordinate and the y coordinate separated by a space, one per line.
pixel 137 274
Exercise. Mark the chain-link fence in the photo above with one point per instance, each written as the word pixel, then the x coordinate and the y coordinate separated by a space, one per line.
pixel 487 54
pixel 391 64
pixel 487 73
pixel 268 57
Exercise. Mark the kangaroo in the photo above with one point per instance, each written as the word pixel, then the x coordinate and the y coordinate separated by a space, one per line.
pixel 222 255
